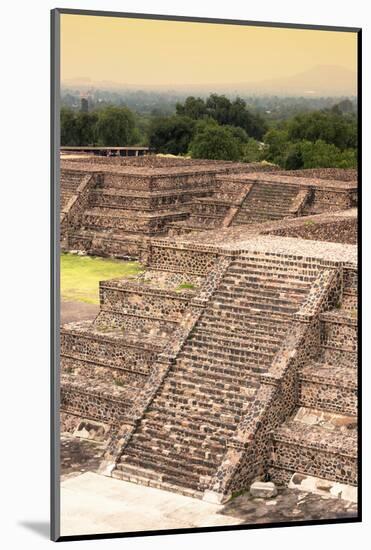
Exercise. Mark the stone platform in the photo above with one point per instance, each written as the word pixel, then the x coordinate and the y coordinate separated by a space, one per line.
pixel 197 368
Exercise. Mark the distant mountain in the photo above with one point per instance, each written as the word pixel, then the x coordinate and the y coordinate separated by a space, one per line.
pixel 322 80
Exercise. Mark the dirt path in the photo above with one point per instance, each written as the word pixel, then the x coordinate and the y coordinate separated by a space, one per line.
pixel 77 311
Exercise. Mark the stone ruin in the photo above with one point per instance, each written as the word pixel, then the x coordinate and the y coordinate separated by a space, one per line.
pixel 233 356
pixel 113 207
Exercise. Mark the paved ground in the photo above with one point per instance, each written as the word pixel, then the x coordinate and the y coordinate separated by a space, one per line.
pixel 79 456
pixel 288 505
pixel 77 311
pixel 91 503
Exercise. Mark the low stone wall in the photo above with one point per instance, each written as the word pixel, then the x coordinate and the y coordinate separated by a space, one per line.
pixel 339 231
pixel 186 259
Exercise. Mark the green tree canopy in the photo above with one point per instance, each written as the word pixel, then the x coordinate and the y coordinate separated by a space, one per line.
pixel 171 134
pixel 116 127
pixel 69 133
pixel 327 126
pixel 78 128
pixel 326 155
pixel 253 151
pixel 193 107
pixel 225 112
pixel 277 142
pixel 217 143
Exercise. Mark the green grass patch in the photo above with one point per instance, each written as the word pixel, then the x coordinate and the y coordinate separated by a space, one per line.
pixel 186 286
pixel 80 275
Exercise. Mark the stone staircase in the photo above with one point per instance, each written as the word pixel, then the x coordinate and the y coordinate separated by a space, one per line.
pixel 105 362
pixel 182 436
pixel 320 439
pixel 70 180
pixel 267 202
pixel 238 203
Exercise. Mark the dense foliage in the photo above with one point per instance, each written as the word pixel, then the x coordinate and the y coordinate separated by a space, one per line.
pixel 219 128
pixel 171 134
pixel 212 141
pixel 224 111
pixel 112 126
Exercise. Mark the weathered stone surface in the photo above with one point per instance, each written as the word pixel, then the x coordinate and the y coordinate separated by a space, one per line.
pixel 233 356
pixel 261 489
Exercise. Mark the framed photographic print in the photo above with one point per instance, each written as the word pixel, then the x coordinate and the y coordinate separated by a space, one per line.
pixel 205 180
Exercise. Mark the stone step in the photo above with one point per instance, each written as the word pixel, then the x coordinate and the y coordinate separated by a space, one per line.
pixel 213 341
pixel 190 419
pixel 257 323
pixel 163 444
pixel 256 209
pixel 243 340
pixel 329 387
pixel 265 284
pixel 221 371
pixel 316 450
pixel 194 430
pixel 166 459
pixel 194 380
pixel 272 206
pixel 273 266
pixel 261 274
pixel 239 290
pixel 253 306
pixel 143 476
pixel 184 479
pixel 195 374
pixel 206 450
pixel 206 410
pixel 229 326
pixel 240 276
pixel 270 197
pixel 233 364
pixel 275 188
pixel 246 217
pixel 250 311
pixel 203 400
pixel 236 295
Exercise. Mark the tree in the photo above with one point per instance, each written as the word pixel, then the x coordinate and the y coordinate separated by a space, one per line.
pixel 69 133
pixel 238 133
pixel 116 127
pixel 294 158
pixel 326 155
pixel 86 127
pixel 253 124
pixel 253 151
pixel 193 107
pixel 327 126
pixel 171 134
pixel 343 107
pixel 278 144
pixel 224 112
pixel 215 142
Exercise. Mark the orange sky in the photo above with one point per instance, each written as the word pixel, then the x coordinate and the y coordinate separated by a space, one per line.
pixel 145 52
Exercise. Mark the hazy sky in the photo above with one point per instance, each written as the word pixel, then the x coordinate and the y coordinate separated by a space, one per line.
pixel 135 51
